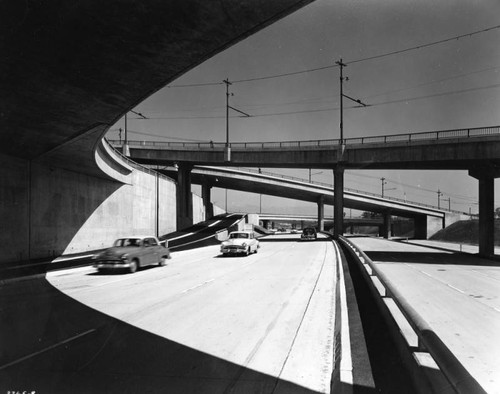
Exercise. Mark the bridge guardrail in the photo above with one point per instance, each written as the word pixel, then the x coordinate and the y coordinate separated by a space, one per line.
pixel 428 341
pixel 472 132
pixel 297 179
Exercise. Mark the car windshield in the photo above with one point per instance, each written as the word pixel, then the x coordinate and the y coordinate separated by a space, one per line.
pixel 128 242
pixel 238 235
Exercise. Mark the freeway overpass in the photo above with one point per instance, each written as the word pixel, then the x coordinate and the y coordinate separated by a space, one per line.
pixel 427 220
pixel 69 72
pixel 476 150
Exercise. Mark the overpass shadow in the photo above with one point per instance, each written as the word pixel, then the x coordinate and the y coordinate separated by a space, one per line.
pixel 290 239
pixel 54 344
pixel 436 258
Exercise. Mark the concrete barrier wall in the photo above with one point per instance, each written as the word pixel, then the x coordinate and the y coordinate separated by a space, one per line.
pixel 49 211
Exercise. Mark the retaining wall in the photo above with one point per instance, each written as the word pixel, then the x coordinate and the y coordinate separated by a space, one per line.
pixel 48 211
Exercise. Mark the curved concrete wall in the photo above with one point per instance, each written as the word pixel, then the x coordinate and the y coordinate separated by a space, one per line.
pixel 49 211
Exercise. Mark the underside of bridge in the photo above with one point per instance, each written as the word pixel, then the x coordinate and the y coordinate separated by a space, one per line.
pixel 70 70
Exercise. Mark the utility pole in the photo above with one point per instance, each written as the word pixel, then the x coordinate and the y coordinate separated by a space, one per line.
pixel 226 81
pixel 341 65
pixel 227 153
pixel 439 198
pixel 384 189
pixel 126 138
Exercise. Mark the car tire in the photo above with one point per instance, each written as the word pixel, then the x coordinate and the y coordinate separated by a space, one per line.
pixel 163 261
pixel 134 266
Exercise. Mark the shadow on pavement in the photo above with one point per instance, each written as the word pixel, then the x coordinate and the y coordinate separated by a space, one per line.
pixel 54 344
pixel 429 258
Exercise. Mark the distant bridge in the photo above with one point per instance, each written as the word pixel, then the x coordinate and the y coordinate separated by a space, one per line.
pixel 427 219
pixel 476 150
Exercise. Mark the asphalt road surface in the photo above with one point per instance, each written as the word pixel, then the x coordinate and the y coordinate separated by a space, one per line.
pixel 202 324
pixel 457 294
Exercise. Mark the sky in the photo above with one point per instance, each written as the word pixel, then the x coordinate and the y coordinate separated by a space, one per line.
pixel 419 65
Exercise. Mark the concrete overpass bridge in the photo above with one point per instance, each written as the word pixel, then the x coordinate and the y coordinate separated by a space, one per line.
pixel 70 70
pixel 474 149
pixel 427 219
pixel 350 224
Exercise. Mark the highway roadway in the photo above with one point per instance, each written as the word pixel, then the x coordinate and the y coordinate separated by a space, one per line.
pixel 457 294
pixel 202 324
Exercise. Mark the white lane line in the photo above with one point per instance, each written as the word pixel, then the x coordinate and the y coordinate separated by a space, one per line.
pixel 197 286
pixel 455 288
pixel 346 374
pixel 47 349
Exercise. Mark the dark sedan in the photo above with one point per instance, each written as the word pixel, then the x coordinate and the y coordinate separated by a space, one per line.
pixel 132 253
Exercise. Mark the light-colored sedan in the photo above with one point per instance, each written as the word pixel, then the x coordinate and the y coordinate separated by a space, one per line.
pixel 132 253
pixel 240 242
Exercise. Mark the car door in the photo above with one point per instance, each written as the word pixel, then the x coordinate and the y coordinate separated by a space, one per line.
pixel 156 249
pixel 147 252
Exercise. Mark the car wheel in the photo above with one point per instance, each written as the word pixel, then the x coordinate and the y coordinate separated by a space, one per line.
pixel 134 265
pixel 163 261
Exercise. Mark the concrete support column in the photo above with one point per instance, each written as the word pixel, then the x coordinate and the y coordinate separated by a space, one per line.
pixel 486 216
pixel 386 228
pixel 184 197
pixel 338 202
pixel 321 213
pixel 206 196
pixel 486 177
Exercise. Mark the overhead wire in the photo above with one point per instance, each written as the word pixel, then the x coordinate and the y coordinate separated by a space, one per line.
pixel 397 52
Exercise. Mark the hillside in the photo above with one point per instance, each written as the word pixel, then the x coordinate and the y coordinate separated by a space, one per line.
pixel 464 231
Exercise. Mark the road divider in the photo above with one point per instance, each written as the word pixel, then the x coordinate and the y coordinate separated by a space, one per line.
pixel 432 366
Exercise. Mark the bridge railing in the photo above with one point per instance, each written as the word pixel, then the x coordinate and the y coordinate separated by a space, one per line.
pixel 428 341
pixel 308 144
pixel 362 192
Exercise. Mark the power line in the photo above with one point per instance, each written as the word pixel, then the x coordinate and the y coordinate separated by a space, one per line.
pixel 424 45
pixel 397 52
pixel 437 95
pixel 465 198
pixel 432 82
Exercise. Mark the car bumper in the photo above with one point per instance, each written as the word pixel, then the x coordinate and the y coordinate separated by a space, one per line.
pixel 110 265
pixel 233 251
